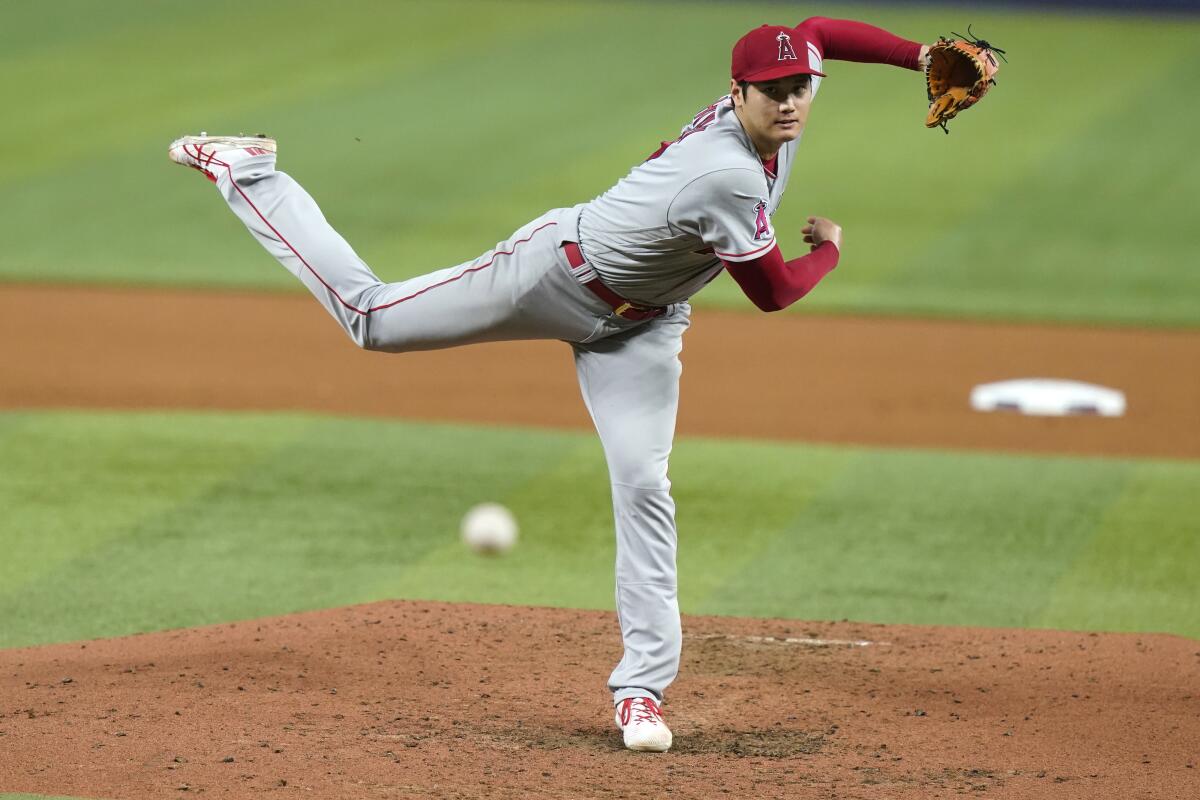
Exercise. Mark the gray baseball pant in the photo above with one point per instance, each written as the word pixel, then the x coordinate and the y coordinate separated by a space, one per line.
pixel 522 289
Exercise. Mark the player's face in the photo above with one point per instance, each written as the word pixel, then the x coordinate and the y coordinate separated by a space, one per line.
pixel 774 112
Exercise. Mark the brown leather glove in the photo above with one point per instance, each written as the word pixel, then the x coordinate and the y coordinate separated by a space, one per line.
pixel 957 76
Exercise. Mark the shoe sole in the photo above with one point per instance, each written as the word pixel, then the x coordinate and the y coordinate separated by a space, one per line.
pixel 223 142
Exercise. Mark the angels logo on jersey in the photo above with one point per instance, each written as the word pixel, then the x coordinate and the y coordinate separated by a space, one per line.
pixel 786 53
pixel 762 223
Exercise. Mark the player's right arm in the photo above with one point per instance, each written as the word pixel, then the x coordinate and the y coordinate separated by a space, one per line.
pixel 773 284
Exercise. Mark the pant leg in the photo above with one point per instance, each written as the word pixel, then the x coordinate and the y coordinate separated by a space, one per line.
pixel 510 292
pixel 630 383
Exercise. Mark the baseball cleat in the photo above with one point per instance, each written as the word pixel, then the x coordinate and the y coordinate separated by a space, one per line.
pixel 641 720
pixel 209 153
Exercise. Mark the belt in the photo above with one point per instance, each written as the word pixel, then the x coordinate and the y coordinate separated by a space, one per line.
pixel 623 308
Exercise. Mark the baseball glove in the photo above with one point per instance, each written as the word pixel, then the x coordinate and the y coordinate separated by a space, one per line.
pixel 958 74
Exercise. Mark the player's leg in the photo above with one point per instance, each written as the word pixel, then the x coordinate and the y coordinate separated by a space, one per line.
pixel 487 299
pixel 630 383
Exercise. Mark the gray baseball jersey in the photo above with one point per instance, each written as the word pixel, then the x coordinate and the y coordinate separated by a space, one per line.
pixel 656 237
pixel 661 233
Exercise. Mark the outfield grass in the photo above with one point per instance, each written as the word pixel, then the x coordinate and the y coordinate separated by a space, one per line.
pixel 116 523
pixel 430 131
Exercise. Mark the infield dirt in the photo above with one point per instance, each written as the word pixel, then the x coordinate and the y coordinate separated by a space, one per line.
pixel 404 699
pixel 821 379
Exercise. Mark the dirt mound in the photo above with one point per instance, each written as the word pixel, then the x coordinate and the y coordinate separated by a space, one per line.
pixel 405 699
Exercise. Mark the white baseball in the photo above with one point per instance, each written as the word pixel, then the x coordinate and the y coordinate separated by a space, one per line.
pixel 489 528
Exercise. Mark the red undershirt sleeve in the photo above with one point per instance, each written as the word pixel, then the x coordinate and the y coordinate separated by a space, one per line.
pixel 773 284
pixel 846 40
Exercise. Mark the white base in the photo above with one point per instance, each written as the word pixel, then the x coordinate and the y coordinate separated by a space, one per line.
pixel 1048 397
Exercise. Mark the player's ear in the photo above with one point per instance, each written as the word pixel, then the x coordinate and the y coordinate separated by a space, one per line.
pixel 735 91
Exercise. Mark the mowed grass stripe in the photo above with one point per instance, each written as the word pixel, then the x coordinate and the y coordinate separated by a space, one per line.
pixel 147 67
pixel 163 233
pixel 72 486
pixel 429 132
pixel 258 516
pixel 277 513
pixel 932 538
pixel 1145 549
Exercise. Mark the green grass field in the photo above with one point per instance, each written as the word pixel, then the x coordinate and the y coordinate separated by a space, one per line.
pixel 138 522
pixel 430 131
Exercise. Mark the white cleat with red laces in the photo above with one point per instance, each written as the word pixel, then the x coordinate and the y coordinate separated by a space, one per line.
pixel 210 154
pixel 641 720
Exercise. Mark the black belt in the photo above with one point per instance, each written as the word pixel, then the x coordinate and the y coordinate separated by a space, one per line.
pixel 626 309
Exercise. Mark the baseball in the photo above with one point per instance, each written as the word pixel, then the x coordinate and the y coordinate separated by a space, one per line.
pixel 489 528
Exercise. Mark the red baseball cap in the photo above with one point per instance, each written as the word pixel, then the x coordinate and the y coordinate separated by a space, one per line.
pixel 769 52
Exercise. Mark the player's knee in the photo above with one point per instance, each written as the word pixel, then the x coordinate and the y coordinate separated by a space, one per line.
pixel 369 337
pixel 357 331
pixel 377 343
pixel 637 474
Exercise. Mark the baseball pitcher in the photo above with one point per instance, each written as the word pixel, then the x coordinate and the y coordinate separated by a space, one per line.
pixel 610 277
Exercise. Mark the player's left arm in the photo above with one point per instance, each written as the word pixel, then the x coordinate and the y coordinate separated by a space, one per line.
pixel 848 40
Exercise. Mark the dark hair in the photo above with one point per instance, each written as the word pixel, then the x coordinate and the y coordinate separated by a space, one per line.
pixel 745 85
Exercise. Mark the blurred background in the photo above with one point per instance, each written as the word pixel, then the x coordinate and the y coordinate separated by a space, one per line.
pixel 429 131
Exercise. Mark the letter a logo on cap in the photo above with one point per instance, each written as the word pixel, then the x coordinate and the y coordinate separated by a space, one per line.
pixel 786 53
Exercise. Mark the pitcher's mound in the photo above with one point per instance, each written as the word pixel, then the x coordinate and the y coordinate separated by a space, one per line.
pixel 406 699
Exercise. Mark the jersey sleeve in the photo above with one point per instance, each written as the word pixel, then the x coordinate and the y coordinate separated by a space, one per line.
pixel 847 40
pixel 774 284
pixel 727 210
